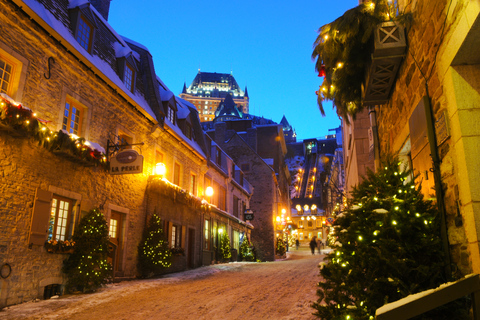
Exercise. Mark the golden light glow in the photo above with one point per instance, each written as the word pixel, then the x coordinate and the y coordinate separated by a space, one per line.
pixel 284 211
pixel 314 206
pixel 278 219
pixel 209 191
pixel 298 207
pixel 326 37
pixel 339 65
pixel 160 169
pixel 305 207
pixel 220 230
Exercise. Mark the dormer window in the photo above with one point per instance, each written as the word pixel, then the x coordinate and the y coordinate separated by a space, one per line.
pixel 129 77
pixel 83 25
pixel 127 69
pixel 84 34
pixel 171 114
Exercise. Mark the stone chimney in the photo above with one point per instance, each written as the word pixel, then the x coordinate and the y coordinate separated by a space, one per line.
pixel 220 130
pixel 102 6
pixel 252 138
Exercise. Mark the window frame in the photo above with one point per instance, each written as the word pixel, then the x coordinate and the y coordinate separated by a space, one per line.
pixel 68 231
pixel 19 72
pixel 89 44
pixel 177 169
pixel 129 70
pixel 193 184
pixel 206 234
pixel 73 103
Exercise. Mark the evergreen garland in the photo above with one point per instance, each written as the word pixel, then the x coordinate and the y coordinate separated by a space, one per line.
pixel 87 267
pixel 343 49
pixel 154 253
pixel 224 249
pixel 23 121
pixel 387 247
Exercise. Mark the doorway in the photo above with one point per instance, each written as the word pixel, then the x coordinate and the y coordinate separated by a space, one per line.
pixel 191 249
pixel 116 237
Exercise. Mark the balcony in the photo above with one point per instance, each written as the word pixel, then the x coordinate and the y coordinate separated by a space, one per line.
pixel 389 50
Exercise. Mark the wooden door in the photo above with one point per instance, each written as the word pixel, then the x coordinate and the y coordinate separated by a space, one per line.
pixel 116 237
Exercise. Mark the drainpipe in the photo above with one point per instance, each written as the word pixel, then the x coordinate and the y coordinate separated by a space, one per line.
pixel 376 146
pixel 437 177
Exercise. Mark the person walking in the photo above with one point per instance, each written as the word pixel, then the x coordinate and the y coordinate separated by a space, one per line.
pixel 319 245
pixel 297 243
pixel 313 244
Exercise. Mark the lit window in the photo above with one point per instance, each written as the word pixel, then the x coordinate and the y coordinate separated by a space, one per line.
pixel 176 174
pixel 158 157
pixel 193 184
pixel 59 218
pixel 129 77
pixel 84 34
pixel 207 235
pixel 113 228
pixel 6 71
pixel 174 236
pixel 72 117
pixel 124 140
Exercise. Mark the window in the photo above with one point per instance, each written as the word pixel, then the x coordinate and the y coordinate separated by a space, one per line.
pixel 207 235
pixel 171 114
pixel 300 224
pixel 236 240
pixel 175 237
pixel 176 174
pixel 245 167
pixel 319 223
pixel 158 157
pixel 124 140
pixel 6 73
pixel 222 198
pixel 310 224
pixel 59 223
pixel 193 184
pixel 72 116
pixel 112 232
pixel 129 77
pixel 188 131
pixel 84 34
pixel 301 236
pixel 235 206
pixel 218 158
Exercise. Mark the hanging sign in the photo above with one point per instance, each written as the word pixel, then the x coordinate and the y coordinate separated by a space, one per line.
pixel 330 220
pixel 126 162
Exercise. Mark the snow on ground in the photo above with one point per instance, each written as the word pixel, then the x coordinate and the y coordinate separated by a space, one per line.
pixel 283 289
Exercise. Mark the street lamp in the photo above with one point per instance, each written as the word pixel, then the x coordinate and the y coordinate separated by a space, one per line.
pixel 209 191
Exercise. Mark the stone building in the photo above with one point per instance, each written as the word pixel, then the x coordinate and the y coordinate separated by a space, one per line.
pixel 430 118
pixel 265 170
pixel 79 103
pixel 208 90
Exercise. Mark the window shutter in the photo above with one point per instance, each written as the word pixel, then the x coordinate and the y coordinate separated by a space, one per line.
pixel 420 150
pixel 40 217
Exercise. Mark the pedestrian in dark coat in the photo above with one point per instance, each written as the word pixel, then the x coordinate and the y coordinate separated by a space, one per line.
pixel 313 244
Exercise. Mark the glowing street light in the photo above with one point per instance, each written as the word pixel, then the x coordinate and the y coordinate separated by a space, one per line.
pixel 160 169
pixel 209 191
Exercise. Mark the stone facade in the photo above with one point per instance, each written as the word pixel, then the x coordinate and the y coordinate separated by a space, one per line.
pixel 441 64
pixel 50 71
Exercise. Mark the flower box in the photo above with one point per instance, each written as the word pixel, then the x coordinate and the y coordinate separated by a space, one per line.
pixel 389 51
pixel 54 246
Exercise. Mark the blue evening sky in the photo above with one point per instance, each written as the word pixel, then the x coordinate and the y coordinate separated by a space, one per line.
pixel 266 44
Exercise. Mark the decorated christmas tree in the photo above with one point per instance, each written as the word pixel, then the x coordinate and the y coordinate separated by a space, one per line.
pixel 280 247
pixel 387 247
pixel 87 267
pixel 246 252
pixel 153 251
pixel 224 249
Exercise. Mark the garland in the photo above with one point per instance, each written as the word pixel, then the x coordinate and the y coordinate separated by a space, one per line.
pixel 20 119
pixel 178 194
pixel 343 49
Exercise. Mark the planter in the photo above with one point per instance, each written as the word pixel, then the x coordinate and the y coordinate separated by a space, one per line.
pixel 388 53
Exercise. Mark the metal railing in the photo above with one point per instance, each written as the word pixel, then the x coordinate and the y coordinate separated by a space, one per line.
pixel 422 302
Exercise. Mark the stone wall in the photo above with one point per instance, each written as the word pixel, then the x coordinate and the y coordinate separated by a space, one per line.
pixel 430 42
pixel 26 166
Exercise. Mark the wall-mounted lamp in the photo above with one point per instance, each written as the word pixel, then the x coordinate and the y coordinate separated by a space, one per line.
pixel 160 169
pixel 209 192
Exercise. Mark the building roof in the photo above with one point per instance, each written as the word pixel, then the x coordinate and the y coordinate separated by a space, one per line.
pixel 228 108
pixel 212 84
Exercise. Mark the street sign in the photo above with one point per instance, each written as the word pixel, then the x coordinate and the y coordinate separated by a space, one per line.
pixel 248 214
pixel 126 162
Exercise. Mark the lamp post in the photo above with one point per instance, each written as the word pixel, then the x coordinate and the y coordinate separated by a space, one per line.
pixel 209 193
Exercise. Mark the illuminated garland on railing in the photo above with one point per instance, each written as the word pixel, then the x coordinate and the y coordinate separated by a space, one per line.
pixel 178 194
pixel 20 119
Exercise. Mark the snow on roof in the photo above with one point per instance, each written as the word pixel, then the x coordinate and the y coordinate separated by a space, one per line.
pixel 165 95
pixel 182 111
pixel 100 64
pixel 135 43
pixel 179 132
pixel 269 161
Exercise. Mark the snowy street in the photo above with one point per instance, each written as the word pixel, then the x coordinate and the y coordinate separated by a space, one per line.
pixel 283 289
